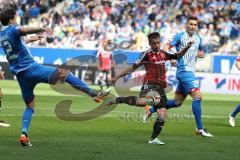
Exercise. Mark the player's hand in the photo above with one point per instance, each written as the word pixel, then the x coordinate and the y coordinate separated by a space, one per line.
pixel 48 31
pixel 36 38
pixel 173 62
pixel 200 54
pixel 190 43
pixel 1 75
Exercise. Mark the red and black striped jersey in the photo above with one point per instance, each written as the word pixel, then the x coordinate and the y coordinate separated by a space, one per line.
pixel 154 64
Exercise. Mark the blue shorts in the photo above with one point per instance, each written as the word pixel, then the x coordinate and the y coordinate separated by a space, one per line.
pixel 186 82
pixel 33 75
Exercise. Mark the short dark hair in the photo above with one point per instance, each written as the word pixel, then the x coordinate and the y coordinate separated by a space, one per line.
pixel 153 35
pixel 192 18
pixel 6 15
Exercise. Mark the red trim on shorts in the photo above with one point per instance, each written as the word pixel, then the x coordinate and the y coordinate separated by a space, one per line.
pixel 194 90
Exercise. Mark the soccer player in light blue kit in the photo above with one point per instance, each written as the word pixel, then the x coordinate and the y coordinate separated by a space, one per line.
pixel 28 72
pixel 237 109
pixel 188 84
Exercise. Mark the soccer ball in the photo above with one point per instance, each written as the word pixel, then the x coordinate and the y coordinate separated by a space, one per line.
pixel 152 98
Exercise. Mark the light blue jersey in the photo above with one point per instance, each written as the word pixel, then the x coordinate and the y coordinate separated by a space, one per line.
pixel 18 55
pixel 187 62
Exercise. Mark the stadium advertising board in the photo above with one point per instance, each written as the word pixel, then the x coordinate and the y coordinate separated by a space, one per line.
pixel 208 82
pixel 213 83
pixel 224 64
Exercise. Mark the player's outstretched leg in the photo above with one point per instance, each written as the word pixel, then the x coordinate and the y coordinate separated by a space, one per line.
pixel 233 115
pixel 131 100
pixel 80 85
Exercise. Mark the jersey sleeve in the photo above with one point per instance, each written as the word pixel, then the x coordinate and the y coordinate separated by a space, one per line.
pixel 16 30
pixel 176 39
pixel 140 60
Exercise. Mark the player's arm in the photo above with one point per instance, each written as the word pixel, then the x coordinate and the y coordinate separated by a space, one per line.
pixel 184 50
pixel 180 53
pixel 130 69
pixel 200 53
pixel 123 73
pixel 170 44
pixel 31 30
pixel 33 38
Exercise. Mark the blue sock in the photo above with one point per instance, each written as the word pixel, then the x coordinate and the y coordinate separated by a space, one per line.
pixel 236 111
pixel 79 84
pixel 26 119
pixel 171 104
pixel 151 109
pixel 196 108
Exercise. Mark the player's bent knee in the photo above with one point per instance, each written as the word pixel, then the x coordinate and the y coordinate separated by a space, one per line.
pixel 59 75
pixel 160 121
pixel 30 103
pixel 63 73
pixel 56 76
pixel 195 93
pixel 162 114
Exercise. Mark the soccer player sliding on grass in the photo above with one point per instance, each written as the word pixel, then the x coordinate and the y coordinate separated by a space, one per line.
pixel 155 81
pixel 28 72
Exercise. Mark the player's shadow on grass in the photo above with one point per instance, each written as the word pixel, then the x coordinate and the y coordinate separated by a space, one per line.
pixel 62 111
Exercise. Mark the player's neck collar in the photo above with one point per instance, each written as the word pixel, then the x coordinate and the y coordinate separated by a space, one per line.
pixel 189 34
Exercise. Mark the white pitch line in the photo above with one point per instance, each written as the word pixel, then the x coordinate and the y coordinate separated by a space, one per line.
pixel 133 114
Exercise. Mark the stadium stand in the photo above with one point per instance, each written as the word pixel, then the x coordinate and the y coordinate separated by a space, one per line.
pixel 80 24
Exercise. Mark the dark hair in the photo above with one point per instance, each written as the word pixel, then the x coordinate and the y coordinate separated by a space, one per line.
pixel 6 15
pixel 153 35
pixel 192 18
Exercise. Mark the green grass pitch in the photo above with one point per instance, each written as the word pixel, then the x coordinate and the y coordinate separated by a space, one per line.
pixel 119 134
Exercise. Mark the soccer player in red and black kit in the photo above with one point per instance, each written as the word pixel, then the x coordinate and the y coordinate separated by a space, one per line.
pixel 105 61
pixel 155 80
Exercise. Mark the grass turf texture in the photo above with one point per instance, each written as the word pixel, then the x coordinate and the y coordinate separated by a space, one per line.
pixel 119 134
